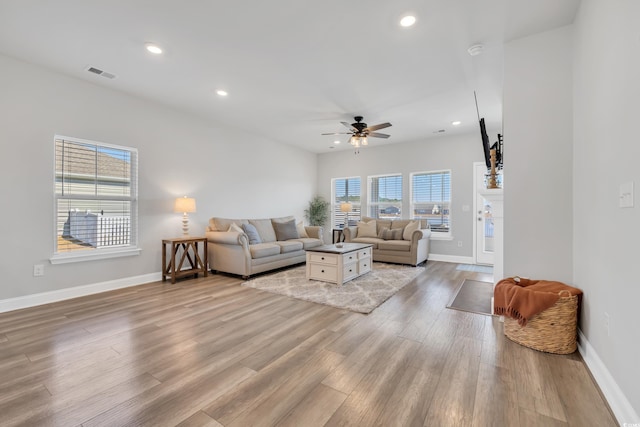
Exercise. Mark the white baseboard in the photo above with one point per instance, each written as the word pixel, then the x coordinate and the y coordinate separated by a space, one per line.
pixel 77 291
pixel 618 402
pixel 450 258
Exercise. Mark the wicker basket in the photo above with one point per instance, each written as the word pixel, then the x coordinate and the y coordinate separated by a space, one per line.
pixel 552 331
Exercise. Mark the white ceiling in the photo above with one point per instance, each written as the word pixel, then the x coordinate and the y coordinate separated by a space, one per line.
pixel 293 68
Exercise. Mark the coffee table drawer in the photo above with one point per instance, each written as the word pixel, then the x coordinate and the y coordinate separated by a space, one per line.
pixel 364 265
pixel 364 253
pixel 349 258
pixel 323 258
pixel 349 271
pixel 328 273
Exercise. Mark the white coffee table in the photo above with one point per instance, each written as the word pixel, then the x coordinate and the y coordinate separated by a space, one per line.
pixel 338 265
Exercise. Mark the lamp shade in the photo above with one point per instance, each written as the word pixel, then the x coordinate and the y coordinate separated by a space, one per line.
pixel 185 205
pixel 346 207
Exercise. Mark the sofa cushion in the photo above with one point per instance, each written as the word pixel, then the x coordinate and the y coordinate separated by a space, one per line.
pixel 308 242
pixel 284 218
pixel 400 223
pixel 265 229
pixel 289 246
pixel 386 234
pixel 285 230
pixel 223 224
pixel 252 234
pixel 409 229
pixel 380 223
pixel 395 245
pixel 368 240
pixel 367 229
pixel 235 228
pixel 262 250
pixel 302 232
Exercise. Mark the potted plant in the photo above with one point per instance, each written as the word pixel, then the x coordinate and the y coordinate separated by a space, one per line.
pixel 318 211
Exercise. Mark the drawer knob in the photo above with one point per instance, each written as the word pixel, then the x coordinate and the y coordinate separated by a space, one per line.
pixel 321 271
pixel 322 258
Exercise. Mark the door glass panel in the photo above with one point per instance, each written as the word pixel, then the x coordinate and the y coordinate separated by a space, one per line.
pixel 487 221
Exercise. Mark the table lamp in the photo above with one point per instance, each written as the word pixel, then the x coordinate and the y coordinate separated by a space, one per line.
pixel 346 207
pixel 186 205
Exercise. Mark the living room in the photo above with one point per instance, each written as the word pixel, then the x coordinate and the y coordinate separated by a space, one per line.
pixel 568 110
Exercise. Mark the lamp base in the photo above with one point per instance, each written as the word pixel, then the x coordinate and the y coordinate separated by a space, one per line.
pixel 185 224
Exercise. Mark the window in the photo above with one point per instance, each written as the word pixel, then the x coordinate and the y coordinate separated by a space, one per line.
pixel 345 190
pixel 95 200
pixel 431 199
pixel 385 196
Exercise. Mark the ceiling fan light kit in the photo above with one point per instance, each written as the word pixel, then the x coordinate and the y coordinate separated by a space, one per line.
pixel 359 132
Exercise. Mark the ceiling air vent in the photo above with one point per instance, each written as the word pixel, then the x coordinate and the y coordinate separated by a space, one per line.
pixel 100 72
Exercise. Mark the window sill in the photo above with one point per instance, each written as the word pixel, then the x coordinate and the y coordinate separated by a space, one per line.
pixel 93 255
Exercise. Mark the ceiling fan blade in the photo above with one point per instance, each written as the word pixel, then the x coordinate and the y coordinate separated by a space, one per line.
pixel 380 126
pixel 378 135
pixel 337 133
pixel 351 128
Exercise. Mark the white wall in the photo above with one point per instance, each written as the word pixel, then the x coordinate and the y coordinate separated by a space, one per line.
pixel 456 153
pixel 538 157
pixel 229 172
pixel 574 93
pixel 607 154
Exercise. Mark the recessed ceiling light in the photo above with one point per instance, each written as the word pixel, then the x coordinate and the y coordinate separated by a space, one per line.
pixel 408 21
pixel 456 123
pixel 155 49
pixel 337 141
pixel 222 92
pixel 475 49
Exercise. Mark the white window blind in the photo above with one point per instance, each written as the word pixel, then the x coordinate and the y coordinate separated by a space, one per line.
pixel 385 196
pixel 95 196
pixel 431 199
pixel 345 190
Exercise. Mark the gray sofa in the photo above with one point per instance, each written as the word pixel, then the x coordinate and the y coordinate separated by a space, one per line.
pixel 233 250
pixel 394 246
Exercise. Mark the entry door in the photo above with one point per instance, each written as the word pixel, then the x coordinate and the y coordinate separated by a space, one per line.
pixel 483 221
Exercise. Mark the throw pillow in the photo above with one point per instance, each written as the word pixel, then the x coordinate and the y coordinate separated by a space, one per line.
pixel 367 229
pixel 394 234
pixel 265 229
pixel 302 232
pixel 409 229
pixel 234 227
pixel 252 234
pixel 285 230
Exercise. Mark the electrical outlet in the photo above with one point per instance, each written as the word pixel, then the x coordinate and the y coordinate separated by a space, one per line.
pixel 607 323
pixel 38 270
pixel 459 243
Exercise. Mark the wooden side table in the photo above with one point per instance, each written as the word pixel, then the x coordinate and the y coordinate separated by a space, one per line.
pixel 190 253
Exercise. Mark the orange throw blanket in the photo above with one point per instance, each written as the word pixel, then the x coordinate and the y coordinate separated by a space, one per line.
pixel 521 299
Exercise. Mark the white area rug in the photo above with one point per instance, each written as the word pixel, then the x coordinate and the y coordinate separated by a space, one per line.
pixel 361 294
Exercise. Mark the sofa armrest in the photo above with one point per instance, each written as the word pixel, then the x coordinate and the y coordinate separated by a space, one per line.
pixel 315 232
pixel 349 233
pixel 227 237
pixel 424 233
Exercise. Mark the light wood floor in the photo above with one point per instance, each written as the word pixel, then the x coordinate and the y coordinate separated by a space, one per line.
pixel 208 352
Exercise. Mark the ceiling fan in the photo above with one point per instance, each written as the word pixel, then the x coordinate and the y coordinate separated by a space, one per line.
pixel 359 132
